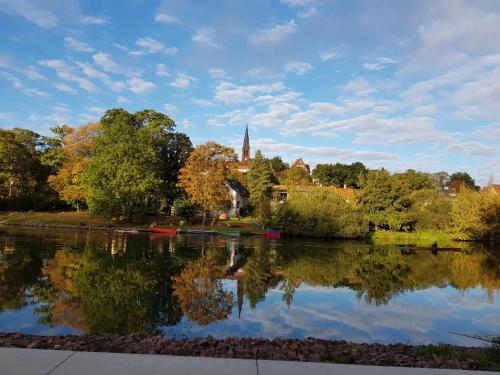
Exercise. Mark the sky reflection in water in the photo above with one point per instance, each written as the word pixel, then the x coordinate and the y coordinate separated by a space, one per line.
pixel 80 282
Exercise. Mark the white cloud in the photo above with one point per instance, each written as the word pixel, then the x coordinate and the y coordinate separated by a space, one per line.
pixel 77 45
pixel 182 81
pixel 161 70
pixel 29 72
pixel 331 54
pixel 66 73
pixel 273 35
pixel 491 131
pixel 152 46
pixel 298 67
pixel 122 100
pixel 217 73
pixel 170 108
pixel 92 20
pixel 139 85
pixel 306 7
pixel 165 18
pixel 106 62
pixel 202 102
pixel 359 86
pixel 229 93
pixel 186 123
pixel 310 12
pixel 19 85
pixel 65 88
pixel 472 148
pixel 205 36
pixel 379 64
pixel 31 11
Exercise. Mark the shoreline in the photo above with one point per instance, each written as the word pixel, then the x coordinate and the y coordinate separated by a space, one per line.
pixel 305 350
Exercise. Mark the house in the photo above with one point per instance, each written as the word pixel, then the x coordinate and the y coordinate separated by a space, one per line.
pixel 239 197
pixel 299 163
pixel 494 188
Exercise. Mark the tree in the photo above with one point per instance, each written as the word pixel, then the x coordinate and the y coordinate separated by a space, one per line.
pixel 321 212
pixel 77 149
pixel 173 153
pixel 476 216
pixel 295 176
pixel 122 177
pixel 200 291
pixel 339 174
pixel 260 184
pixel 23 175
pixel 205 173
pixel 458 180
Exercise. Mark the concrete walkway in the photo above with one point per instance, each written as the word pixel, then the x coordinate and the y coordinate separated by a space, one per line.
pixel 55 362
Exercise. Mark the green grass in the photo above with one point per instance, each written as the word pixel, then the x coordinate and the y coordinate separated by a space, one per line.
pixel 419 238
pixel 85 220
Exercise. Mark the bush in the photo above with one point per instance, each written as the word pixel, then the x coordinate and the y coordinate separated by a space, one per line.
pixel 429 210
pixel 185 209
pixel 476 216
pixel 320 213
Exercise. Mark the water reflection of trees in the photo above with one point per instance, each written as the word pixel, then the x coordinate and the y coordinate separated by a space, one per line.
pixel 200 291
pixel 106 283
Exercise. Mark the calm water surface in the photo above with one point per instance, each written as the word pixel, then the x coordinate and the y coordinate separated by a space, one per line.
pixel 66 282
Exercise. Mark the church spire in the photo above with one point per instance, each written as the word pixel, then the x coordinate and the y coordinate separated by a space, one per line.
pixel 245 156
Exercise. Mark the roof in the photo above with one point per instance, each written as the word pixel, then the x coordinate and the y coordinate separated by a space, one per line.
pixel 493 187
pixel 246 141
pixel 238 187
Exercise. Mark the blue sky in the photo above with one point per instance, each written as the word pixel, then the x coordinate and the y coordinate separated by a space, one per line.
pixel 390 83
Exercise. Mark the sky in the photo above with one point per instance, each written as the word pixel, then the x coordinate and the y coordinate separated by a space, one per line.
pixel 390 83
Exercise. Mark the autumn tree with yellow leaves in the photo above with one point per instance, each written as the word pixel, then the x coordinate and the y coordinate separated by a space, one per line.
pixel 205 174
pixel 76 152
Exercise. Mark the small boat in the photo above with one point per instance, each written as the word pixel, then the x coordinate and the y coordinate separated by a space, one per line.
pixel 274 234
pixel 230 233
pixel 201 231
pixel 170 232
pixel 454 249
pixel 126 231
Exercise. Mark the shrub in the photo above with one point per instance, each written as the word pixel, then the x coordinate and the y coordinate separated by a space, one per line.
pixel 185 209
pixel 320 213
pixel 476 216
pixel 429 210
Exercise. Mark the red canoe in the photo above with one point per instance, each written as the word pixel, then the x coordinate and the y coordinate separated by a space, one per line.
pixel 171 232
pixel 275 235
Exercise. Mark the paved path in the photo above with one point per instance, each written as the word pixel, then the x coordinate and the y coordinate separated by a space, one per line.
pixel 58 362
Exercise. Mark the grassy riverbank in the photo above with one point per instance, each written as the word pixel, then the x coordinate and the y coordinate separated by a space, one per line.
pixel 419 238
pixel 83 220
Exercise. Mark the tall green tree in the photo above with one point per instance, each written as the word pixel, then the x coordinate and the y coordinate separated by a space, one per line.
pixel 173 154
pixel 260 184
pixel 122 176
pixel 339 174
pixel 459 180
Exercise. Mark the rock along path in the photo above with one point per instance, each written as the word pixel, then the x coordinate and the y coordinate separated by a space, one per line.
pixel 15 361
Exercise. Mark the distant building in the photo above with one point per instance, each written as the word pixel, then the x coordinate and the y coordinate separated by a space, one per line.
pixel 244 165
pixel 239 197
pixel 494 188
pixel 299 163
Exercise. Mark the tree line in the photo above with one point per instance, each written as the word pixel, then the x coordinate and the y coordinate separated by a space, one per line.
pixel 129 164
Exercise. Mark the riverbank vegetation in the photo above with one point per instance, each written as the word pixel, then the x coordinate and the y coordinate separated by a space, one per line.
pixel 131 165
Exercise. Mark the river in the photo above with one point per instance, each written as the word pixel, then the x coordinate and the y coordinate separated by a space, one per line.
pixel 55 282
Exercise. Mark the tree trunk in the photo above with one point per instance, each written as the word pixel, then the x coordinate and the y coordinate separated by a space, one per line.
pixel 204 215
pixel 215 218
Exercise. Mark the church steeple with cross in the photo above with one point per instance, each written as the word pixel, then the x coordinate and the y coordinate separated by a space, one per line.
pixel 245 156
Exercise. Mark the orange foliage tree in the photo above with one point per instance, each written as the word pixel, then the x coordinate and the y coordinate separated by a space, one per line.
pixel 205 174
pixel 200 292
pixel 77 148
